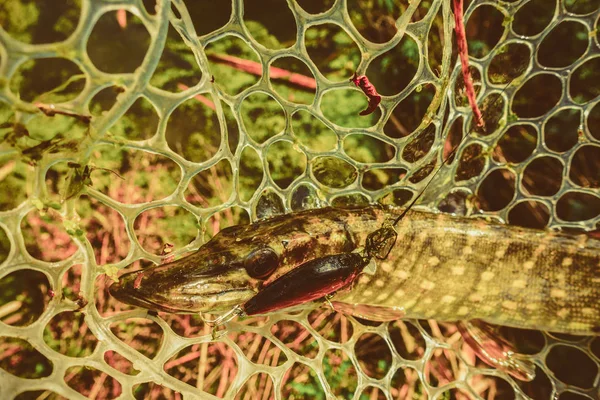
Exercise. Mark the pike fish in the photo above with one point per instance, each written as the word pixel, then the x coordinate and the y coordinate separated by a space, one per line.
pixel 441 267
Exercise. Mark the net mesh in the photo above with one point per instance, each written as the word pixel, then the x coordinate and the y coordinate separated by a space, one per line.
pixel 248 123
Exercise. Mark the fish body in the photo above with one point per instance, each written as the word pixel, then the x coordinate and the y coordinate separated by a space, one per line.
pixel 441 267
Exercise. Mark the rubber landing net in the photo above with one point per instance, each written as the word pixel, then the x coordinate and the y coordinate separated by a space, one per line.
pixel 129 126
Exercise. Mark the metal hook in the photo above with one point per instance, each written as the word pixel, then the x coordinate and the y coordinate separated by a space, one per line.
pixel 225 318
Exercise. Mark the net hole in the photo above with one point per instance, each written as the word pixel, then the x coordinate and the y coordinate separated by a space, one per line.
pixel 460 91
pixel 575 206
pixel 407 340
pixel 320 39
pixel 457 203
pixel 258 386
pixel 304 197
pixel 435 44
pixel 193 131
pixel 380 178
pixel 420 144
pixel 120 363
pixel 269 204
pixel 185 325
pixel 331 325
pixel 139 122
pixel 39 394
pixel 204 364
pixel 108 44
pixel 367 149
pixel 423 172
pixel 315 6
pixel 343 107
pixel 529 214
pixel 351 200
pixel 538 95
pixel 533 17
pixel 250 173
pixel 488 386
pixel 539 388
pixel 177 68
pixel 492 111
pixel 211 187
pixel 373 393
pixel 67 333
pixel 104 100
pixel 105 230
pixel 92 383
pixel 293 80
pixel 48 80
pixel 408 114
pixel 15 188
pixel 158 226
pixel 516 144
pixel 455 134
pixel 397 197
pixel 340 373
pixel 509 62
pixel 141 334
pixel 561 130
pixel 22 21
pixel 406 384
pixel 376 22
pixel 392 71
pixel 497 190
pixel 471 163
pixel 263 117
pixel 146 176
pixel 258 349
pixel 285 162
pixel 584 82
pixel 593 121
pixel 443 367
pixel 21 359
pixel 333 172
pixel 573 396
pixel 543 176
pixel 275 29
pixel 208 17
pixel 571 32
pixel 301 381
pixel 296 338
pixel 585 167
pixel 46 237
pixel 572 366
pixel 373 354
pixel 229 78
pixel 311 132
pixel 484 29
pixel 150 6
pixel 152 390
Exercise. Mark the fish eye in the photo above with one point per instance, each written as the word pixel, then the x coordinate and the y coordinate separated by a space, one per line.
pixel 261 263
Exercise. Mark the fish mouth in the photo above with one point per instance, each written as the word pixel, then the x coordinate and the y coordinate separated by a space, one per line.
pixel 207 294
pixel 124 295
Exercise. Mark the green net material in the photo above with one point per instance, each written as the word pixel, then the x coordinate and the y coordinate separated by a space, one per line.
pixel 265 145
